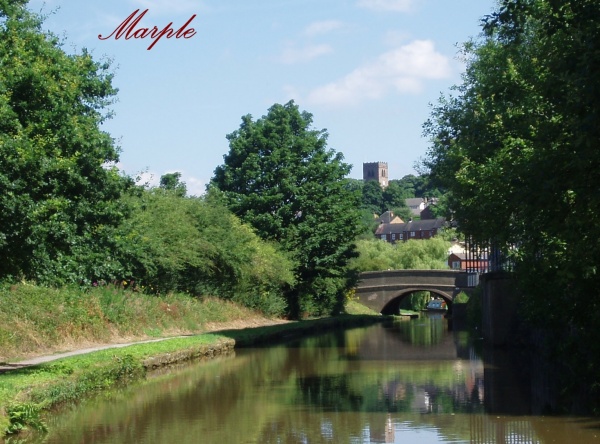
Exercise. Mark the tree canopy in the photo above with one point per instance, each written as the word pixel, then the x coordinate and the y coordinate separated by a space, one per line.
pixel 196 246
pixel 280 177
pixel 518 146
pixel 518 143
pixel 59 199
pixel 172 182
pixel 378 255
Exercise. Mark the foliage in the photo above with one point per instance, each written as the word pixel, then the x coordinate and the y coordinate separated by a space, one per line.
pixel 378 255
pixel 517 146
pixel 37 319
pixel 369 223
pixel 23 415
pixel 416 301
pixel 280 178
pixel 378 200
pixel 195 245
pixel 59 202
pixel 372 197
pixel 172 182
pixel 461 298
pixel 417 186
pixel 450 234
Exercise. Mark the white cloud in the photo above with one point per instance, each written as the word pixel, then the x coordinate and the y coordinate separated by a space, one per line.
pixel 402 70
pixel 387 5
pixel 195 187
pixel 322 27
pixel 292 55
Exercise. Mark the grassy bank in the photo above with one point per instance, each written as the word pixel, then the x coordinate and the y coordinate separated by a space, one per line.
pixel 41 320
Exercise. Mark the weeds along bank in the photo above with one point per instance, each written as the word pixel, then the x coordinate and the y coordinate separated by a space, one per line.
pixel 41 320
pixel 38 320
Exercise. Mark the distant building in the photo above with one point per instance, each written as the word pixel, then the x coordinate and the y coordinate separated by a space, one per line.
pixel 376 171
pixel 389 218
pixel 416 205
pixel 418 229
pixel 460 261
pixel 429 211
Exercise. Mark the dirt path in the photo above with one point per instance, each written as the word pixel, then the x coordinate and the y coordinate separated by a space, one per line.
pixel 209 328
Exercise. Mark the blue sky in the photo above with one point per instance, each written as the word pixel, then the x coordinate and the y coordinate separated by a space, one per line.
pixel 366 69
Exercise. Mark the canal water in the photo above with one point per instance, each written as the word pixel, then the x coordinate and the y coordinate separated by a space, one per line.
pixel 414 381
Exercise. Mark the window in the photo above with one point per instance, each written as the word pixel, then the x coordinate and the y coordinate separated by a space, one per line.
pixel 383 237
pixel 412 234
pixel 456 265
pixel 401 236
pixel 393 236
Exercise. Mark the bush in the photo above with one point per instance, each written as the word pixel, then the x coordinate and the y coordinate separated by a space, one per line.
pixel 196 246
pixel 461 298
pixel 378 255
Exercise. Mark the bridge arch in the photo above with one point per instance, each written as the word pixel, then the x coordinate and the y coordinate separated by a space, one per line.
pixel 378 289
pixel 392 307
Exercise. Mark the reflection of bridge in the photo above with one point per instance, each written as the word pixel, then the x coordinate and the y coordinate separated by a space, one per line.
pixel 382 291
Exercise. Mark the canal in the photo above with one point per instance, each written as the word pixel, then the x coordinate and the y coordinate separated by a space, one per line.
pixel 414 381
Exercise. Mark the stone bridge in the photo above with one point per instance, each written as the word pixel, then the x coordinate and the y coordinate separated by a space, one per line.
pixel 382 291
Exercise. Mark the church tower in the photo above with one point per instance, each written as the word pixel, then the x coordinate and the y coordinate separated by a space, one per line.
pixel 376 171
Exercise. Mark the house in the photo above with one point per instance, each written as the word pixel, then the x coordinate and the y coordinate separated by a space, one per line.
pixel 416 205
pixel 389 218
pixel 418 229
pixel 461 261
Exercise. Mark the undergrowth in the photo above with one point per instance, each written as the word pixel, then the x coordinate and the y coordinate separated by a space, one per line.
pixel 39 320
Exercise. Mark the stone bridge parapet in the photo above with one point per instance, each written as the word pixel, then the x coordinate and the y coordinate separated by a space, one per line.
pixel 382 290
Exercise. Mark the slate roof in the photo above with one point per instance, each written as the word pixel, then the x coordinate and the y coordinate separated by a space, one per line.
pixel 417 225
pixel 389 218
pixel 414 202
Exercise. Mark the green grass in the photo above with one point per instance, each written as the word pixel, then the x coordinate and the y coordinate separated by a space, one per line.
pixel 31 390
pixel 26 393
pixel 39 320
pixel 355 308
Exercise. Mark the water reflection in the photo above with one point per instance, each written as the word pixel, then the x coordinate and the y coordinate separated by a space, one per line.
pixel 411 381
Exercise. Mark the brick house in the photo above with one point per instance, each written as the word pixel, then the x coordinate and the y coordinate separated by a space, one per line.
pixel 459 261
pixel 418 229
pixel 389 218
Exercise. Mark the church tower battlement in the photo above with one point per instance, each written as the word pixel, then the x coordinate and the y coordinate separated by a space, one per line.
pixel 376 171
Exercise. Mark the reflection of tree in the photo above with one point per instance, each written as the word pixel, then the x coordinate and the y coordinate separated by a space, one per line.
pixel 424 332
pixel 330 393
pixel 307 392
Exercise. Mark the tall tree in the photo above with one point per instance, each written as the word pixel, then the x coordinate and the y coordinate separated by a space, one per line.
pixel 518 146
pixel 280 177
pixel 172 182
pixel 372 197
pixel 58 200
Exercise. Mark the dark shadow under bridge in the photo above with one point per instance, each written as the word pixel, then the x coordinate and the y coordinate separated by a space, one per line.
pixel 382 291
